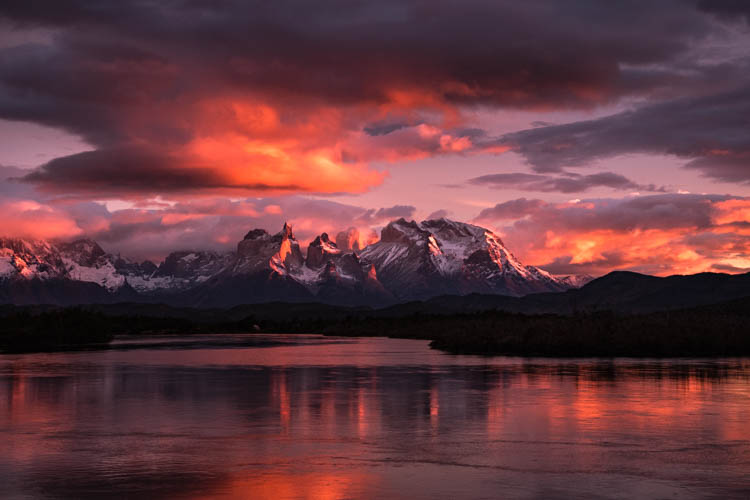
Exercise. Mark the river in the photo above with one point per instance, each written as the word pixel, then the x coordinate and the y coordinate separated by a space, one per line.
pixel 286 417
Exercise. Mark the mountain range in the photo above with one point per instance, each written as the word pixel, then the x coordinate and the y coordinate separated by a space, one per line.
pixel 411 261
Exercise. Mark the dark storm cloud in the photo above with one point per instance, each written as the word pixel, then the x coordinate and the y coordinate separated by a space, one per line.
pixel 122 73
pixel 727 9
pixel 123 171
pixel 395 211
pixel 87 88
pixel 725 165
pixel 660 211
pixel 375 129
pixel 728 268
pixel 711 131
pixel 501 53
pixel 513 209
pixel 567 183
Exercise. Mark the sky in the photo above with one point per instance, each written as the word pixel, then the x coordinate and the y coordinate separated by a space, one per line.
pixel 591 136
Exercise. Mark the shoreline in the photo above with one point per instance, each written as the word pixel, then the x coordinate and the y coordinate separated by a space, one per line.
pixel 721 330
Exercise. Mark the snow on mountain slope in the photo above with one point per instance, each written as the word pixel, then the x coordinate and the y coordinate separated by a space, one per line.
pixel 181 271
pixel 104 274
pixel 85 260
pixel 575 280
pixel 275 263
pixel 320 251
pixel 444 256
pixel 29 259
pixel 260 251
pixel 411 261
pixel 6 263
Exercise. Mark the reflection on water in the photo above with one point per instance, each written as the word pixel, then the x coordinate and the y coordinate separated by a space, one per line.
pixel 309 417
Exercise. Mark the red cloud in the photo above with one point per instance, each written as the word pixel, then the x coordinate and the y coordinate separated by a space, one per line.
pixel 247 99
pixel 30 219
pixel 660 234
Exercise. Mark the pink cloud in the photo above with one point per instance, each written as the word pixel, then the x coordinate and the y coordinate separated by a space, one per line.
pixel 659 234
pixel 30 219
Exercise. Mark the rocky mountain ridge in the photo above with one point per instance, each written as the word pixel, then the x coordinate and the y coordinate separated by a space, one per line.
pixel 411 261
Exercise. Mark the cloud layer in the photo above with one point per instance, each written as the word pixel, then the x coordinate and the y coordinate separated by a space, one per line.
pixel 566 183
pixel 656 234
pixel 261 98
pixel 205 119
pixel 710 132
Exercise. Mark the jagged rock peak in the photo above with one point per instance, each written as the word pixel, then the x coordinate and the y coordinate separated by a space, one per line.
pixel 402 230
pixel 287 231
pixel 324 241
pixel 348 241
pixel 320 251
pixel 24 245
pixel 84 246
pixel 441 256
pixel 412 261
pixel 451 229
pixel 84 252
pixel 255 234
pixel 29 259
pixel 262 234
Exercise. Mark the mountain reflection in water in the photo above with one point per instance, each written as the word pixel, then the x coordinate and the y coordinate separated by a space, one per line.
pixel 309 417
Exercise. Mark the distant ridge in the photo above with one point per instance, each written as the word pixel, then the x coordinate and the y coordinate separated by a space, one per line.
pixel 619 291
pixel 412 261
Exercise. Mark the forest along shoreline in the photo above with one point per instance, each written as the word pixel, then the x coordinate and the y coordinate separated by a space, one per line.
pixel 718 330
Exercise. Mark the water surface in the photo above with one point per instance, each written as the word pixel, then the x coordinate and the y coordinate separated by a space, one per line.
pixel 279 416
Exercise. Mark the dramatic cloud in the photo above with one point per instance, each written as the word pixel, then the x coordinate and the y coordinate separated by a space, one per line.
pixel 127 173
pixel 510 210
pixel 192 111
pixel 566 183
pixel 187 96
pixel 727 9
pixel 29 219
pixel 218 224
pixel 151 229
pixel 658 234
pixel 710 131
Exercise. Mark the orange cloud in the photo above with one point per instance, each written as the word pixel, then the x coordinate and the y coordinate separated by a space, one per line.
pixel 246 144
pixel 661 252
pixel 30 219
pixel 732 211
pixel 658 234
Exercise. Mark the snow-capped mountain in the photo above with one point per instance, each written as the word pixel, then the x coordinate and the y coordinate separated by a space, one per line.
pixel 416 260
pixel 259 271
pixel 86 261
pixel 411 261
pixel 575 280
pixel 272 267
pixel 28 259
pixel 341 277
